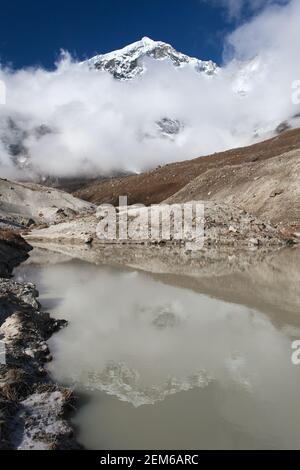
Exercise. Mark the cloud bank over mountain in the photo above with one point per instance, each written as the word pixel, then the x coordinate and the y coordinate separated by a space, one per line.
pixel 78 120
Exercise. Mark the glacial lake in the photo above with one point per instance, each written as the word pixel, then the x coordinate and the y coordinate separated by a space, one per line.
pixel 172 362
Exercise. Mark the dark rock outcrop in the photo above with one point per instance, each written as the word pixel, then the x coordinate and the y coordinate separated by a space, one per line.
pixel 13 251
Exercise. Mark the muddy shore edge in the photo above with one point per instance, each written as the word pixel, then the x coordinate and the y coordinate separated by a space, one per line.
pixel 34 410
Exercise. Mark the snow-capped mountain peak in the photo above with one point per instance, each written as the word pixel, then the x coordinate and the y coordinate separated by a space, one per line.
pixel 127 63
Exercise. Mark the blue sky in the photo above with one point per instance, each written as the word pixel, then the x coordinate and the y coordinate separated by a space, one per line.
pixel 33 32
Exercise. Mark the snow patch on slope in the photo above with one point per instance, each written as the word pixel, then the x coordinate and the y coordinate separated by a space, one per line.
pixel 128 63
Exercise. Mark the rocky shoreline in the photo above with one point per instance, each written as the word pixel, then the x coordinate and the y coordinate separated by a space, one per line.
pixel 223 226
pixel 33 409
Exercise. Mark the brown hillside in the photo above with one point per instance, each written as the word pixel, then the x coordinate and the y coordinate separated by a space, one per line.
pixel 160 184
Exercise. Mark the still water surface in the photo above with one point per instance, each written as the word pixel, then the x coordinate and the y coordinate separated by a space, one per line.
pixel 167 367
